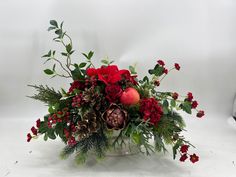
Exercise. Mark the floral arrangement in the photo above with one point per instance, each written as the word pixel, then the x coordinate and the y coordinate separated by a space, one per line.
pixel 106 106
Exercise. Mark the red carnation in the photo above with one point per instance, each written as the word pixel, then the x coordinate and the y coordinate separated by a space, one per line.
pixel 113 92
pixel 77 85
pixel 189 96
pixel 194 104
pixel 194 158
pixel 29 137
pixel 34 130
pixel 151 110
pixel 184 148
pixel 177 67
pixel 38 123
pixel 175 95
pixel 183 157
pixel 91 72
pixel 200 113
pixel 165 71
pixel 160 62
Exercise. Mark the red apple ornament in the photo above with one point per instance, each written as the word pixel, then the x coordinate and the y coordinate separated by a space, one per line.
pixel 129 96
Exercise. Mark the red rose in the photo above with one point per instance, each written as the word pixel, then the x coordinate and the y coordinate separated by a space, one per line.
pixel 184 148
pixel 200 113
pixel 91 72
pixel 175 95
pixel 113 92
pixel 189 96
pixel 38 123
pixel 34 130
pixel 183 157
pixel 194 104
pixel 77 85
pixel 151 110
pixel 29 137
pixel 177 67
pixel 160 62
pixel 194 158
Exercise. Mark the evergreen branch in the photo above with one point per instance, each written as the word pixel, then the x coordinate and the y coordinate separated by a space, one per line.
pixel 46 94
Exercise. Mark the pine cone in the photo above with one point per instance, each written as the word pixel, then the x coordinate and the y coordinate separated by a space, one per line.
pixel 115 117
pixel 88 125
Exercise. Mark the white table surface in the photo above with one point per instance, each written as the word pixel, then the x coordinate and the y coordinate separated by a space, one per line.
pixel 214 137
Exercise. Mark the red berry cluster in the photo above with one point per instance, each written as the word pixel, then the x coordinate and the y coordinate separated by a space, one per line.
pixel 58 117
pixel 184 154
pixel 77 100
pixel 33 130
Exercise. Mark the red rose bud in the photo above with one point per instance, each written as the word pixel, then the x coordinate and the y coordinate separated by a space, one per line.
pixel 165 71
pixel 177 67
pixel 183 157
pixel 189 96
pixel 29 137
pixel 200 113
pixel 194 158
pixel 194 104
pixel 91 72
pixel 184 148
pixel 156 83
pixel 34 130
pixel 175 95
pixel 38 123
pixel 160 62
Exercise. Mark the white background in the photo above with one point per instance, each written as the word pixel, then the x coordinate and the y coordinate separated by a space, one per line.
pixel 198 34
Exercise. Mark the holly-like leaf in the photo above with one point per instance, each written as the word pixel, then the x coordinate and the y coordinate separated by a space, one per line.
pixel 81 65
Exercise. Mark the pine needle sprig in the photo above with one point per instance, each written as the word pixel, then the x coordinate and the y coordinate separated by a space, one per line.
pixel 46 94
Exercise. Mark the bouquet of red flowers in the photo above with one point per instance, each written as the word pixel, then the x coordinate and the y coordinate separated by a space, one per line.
pixel 109 108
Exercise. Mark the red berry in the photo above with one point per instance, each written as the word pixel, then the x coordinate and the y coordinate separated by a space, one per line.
pixel 29 137
pixel 165 71
pixel 177 67
pixel 34 130
pixel 156 83
pixel 38 123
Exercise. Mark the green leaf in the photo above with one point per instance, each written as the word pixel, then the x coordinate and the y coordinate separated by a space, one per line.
pixel 68 48
pixel 81 65
pixel 48 72
pixel 146 79
pixel 51 110
pixel 59 32
pixel 165 103
pixel 51 134
pixel 136 137
pixel 173 103
pixel 186 106
pixel 54 23
pixel 51 28
pixel 64 54
pixel 48 54
pixel 76 74
pixel 80 158
pixel 132 70
pixel 106 62
pixel 90 55
pixel 45 137
pixel 176 146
